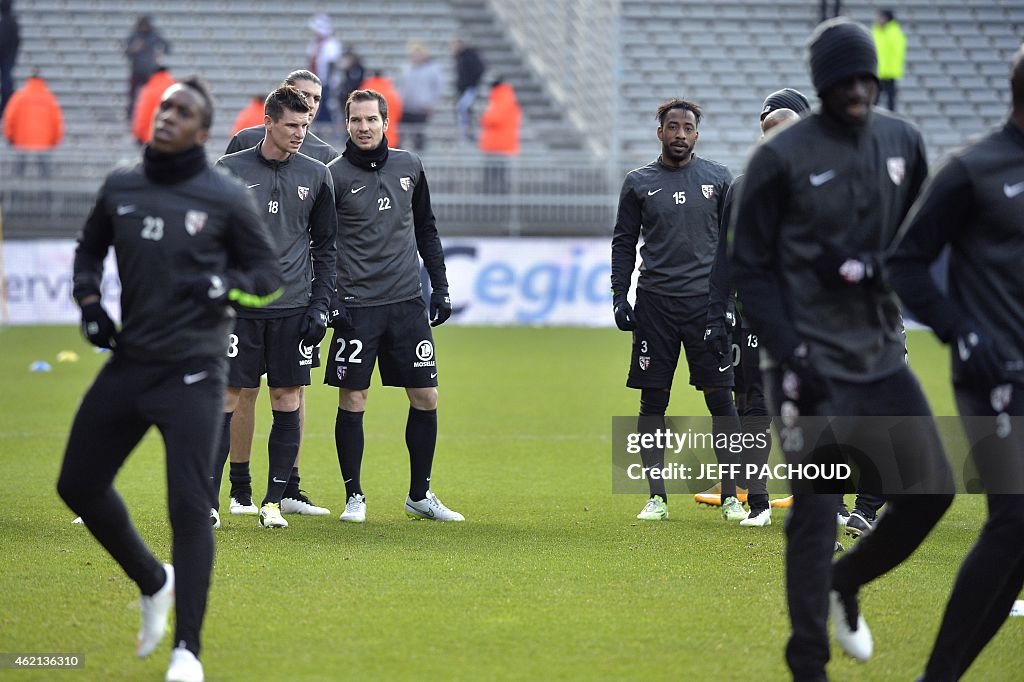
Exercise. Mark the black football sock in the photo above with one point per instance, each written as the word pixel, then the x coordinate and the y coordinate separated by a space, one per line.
pixel 348 439
pixel 283 446
pixel 724 422
pixel 241 481
pixel 220 457
pixel 758 502
pixel 756 455
pixel 420 438
pixel 292 489
pixel 653 403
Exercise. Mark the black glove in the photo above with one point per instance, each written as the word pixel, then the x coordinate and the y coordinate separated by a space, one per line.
pixel 980 364
pixel 209 290
pixel 837 268
pixel 718 340
pixel 338 315
pixel 314 325
pixel 801 382
pixel 730 317
pixel 440 308
pixel 624 317
pixel 97 327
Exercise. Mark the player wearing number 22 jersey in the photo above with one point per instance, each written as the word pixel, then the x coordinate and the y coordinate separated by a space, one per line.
pixel 384 221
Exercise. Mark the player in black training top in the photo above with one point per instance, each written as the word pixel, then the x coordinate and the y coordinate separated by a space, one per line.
pixel 385 225
pixel 780 108
pixel 975 205
pixel 675 202
pixel 312 146
pixel 297 197
pixel 243 421
pixel 819 203
pixel 188 240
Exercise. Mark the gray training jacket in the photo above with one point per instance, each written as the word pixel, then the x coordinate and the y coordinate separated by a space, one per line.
pixel 384 219
pixel 813 187
pixel 296 198
pixel 677 211
pixel 165 235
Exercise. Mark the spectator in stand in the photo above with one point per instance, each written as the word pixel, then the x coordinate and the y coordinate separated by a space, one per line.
pixel 9 42
pixel 33 124
pixel 352 76
pixel 323 52
pixel 382 84
pixel 469 69
pixel 147 103
pixel 145 50
pixel 420 89
pixel 827 12
pixel 499 136
pixel 891 44
pixel 251 115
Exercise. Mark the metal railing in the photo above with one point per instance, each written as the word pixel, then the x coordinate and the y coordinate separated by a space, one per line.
pixel 472 195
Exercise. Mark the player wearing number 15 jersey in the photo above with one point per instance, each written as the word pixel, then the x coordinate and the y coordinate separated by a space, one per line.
pixel 675 203
pixel 384 220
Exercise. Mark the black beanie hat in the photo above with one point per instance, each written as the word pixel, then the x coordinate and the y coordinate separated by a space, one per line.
pixel 840 48
pixel 786 98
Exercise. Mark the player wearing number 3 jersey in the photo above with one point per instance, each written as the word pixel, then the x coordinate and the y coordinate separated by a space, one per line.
pixel 675 203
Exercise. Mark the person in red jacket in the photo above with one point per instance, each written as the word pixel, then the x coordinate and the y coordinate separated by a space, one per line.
pixel 33 123
pixel 251 115
pixel 382 84
pixel 145 105
pixel 499 135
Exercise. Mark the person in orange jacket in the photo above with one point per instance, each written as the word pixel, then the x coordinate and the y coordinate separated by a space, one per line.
pixel 145 105
pixel 499 135
pixel 379 82
pixel 33 122
pixel 251 115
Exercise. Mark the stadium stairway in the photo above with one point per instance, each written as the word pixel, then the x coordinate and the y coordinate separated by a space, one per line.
pixel 729 54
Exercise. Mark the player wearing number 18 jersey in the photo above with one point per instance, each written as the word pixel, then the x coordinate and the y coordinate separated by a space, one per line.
pixel 297 197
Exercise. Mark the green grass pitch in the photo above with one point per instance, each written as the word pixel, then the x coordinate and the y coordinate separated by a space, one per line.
pixel 551 577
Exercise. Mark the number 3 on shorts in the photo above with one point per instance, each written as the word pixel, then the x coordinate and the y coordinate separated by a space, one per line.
pixel 355 347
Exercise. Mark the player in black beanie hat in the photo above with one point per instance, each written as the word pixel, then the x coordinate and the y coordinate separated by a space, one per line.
pixel 840 48
pixel 821 203
pixel 786 98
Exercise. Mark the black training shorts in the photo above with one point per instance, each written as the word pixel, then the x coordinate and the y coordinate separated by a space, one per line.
pixel 272 346
pixel 397 334
pixel 662 323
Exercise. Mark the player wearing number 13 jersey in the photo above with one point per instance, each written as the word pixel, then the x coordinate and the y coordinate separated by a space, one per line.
pixel 675 202
pixel 384 220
